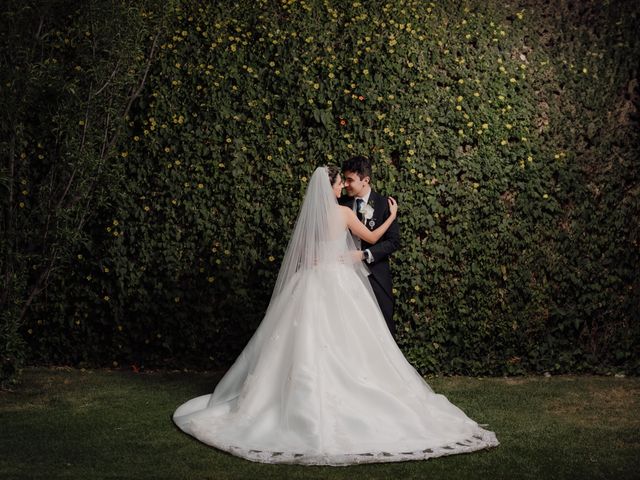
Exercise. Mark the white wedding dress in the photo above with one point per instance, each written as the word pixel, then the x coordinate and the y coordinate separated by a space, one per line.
pixel 322 382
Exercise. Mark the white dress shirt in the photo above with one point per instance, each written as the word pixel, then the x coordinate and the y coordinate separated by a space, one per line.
pixel 368 257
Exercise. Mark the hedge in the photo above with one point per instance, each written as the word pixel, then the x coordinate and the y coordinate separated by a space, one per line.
pixel 165 149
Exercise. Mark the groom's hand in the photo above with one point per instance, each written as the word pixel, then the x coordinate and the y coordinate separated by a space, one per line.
pixel 357 256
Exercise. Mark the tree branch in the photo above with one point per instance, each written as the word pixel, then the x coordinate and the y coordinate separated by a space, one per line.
pixel 136 94
pixel 113 74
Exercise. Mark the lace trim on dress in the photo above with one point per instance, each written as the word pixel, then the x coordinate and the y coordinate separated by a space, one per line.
pixel 481 440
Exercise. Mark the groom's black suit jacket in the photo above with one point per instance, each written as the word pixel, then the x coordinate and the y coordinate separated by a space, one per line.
pixel 380 277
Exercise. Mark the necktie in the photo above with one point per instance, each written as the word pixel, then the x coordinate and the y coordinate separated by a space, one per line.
pixel 359 203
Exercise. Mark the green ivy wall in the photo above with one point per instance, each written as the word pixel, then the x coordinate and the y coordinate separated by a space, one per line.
pixel 508 133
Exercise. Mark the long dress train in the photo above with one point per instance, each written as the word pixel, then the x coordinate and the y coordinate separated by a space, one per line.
pixel 322 382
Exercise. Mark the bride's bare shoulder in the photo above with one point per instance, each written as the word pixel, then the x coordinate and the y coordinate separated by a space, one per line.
pixel 345 211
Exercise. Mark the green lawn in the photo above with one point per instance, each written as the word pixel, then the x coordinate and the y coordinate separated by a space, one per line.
pixel 64 423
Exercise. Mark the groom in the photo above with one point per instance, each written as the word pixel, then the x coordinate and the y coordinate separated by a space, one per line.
pixel 372 209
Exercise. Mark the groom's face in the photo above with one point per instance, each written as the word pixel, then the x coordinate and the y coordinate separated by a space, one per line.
pixel 355 186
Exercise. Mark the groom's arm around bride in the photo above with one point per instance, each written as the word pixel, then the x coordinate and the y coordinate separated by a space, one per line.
pixel 374 211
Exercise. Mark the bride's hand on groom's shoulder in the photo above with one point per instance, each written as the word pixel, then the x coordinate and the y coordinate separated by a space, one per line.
pixel 393 206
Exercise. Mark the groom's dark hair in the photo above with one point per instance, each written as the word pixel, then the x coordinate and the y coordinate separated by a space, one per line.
pixel 359 165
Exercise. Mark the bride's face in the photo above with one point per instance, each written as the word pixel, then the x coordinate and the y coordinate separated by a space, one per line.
pixel 338 184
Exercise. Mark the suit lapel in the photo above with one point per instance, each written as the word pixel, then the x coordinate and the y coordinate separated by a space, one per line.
pixel 378 203
pixel 375 200
pixel 348 202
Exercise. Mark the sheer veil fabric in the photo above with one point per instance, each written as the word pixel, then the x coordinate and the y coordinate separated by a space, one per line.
pixel 318 238
pixel 322 382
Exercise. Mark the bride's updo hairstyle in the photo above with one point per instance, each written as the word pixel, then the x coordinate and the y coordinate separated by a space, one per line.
pixel 333 172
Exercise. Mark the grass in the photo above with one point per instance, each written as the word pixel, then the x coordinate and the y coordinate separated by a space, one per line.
pixel 65 423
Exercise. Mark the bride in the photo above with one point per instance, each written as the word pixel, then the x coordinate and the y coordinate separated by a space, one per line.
pixel 322 382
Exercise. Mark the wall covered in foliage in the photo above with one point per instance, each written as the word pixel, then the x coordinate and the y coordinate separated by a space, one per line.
pixel 154 158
